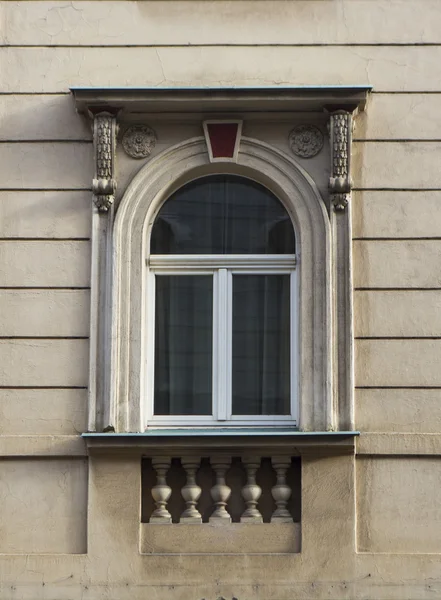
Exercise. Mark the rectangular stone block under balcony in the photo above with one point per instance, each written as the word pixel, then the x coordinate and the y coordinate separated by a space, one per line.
pixel 221 503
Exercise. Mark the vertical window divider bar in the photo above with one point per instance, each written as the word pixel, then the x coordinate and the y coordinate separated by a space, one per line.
pixel 294 346
pixel 149 401
pixel 215 349
pixel 229 348
pixel 220 343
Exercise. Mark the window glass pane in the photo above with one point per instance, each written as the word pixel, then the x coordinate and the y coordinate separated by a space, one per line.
pixel 261 344
pixel 183 344
pixel 222 214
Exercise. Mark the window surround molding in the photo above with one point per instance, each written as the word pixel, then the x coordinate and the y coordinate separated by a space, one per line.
pixel 119 238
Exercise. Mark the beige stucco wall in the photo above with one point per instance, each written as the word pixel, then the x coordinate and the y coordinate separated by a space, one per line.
pixel 69 525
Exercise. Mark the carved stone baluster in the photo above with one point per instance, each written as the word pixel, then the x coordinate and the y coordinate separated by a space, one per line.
pixel 161 492
pixel 220 492
pixel 191 492
pixel 251 492
pixel 281 492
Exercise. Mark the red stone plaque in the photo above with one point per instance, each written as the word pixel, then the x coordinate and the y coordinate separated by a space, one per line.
pixel 223 138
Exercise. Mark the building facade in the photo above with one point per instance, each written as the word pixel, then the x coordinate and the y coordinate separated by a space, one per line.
pixel 219 294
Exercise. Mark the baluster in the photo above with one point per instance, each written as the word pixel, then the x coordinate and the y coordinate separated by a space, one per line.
pixel 161 492
pixel 281 492
pixel 220 492
pixel 191 492
pixel 251 492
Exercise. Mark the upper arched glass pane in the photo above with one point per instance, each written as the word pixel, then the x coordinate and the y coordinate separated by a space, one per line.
pixel 222 214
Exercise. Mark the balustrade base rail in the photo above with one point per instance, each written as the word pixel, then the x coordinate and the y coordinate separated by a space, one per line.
pixel 224 538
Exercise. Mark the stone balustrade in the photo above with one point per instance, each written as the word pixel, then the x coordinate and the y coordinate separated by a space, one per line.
pixel 221 489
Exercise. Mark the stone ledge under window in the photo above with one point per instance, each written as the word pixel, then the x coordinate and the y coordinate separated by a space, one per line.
pixel 234 441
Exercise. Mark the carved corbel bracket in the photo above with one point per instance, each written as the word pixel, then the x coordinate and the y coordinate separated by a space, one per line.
pixel 104 141
pixel 340 181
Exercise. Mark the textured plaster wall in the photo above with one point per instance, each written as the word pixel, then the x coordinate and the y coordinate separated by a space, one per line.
pixel 69 528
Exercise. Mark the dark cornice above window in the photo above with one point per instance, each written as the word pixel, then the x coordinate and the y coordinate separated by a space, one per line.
pixel 243 100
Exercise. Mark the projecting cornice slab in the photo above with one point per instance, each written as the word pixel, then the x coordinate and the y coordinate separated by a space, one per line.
pixel 218 100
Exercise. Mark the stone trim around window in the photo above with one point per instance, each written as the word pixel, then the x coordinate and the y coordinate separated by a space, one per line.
pixel 117 356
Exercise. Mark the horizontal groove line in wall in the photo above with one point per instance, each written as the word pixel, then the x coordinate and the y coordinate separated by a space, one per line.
pixel 379 190
pixel 356 140
pixel 397 289
pixel 31 288
pixel 90 141
pixel 27 190
pixel 393 189
pixel 68 93
pixel 59 93
pixel 44 337
pixel 398 387
pixel 271 87
pixel 398 337
pixel 360 289
pixel 396 239
pixel 47 141
pixel 367 454
pixel 373 91
pixel 43 387
pixel 404 92
pixel 232 45
pixel 30 189
pixel 60 239
pixel 397 141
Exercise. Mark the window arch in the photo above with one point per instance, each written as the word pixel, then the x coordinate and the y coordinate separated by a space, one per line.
pixel 222 214
pixel 130 334
pixel 222 312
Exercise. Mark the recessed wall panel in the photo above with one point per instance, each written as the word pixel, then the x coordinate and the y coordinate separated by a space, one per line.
pixel 44 506
pixel 398 507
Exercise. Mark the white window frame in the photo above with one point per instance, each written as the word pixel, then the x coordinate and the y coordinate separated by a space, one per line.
pixel 222 268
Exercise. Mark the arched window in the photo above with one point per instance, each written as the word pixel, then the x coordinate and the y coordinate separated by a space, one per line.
pixel 222 308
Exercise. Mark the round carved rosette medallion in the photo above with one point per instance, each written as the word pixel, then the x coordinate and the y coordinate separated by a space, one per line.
pixel 306 141
pixel 138 141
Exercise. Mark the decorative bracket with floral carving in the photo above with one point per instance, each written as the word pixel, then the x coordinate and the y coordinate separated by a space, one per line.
pixel 104 141
pixel 340 181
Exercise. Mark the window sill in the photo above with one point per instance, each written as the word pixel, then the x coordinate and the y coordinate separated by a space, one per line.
pixel 197 441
